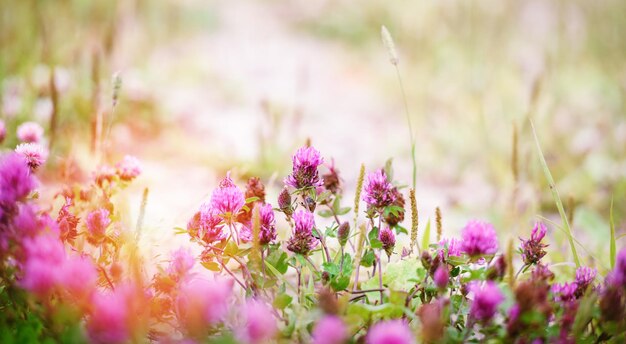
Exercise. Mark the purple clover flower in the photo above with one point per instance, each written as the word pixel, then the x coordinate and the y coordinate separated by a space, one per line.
pixel 260 323
pixel 564 292
pixel 207 225
pixel 533 249
pixel 388 239
pixel 330 330
pixel 378 191
pixel 129 168
pixel 16 181
pixel 34 153
pixel 304 172
pixel 619 272
pixel 302 240
pixel 30 132
pixel 441 276
pixel 487 298
pixel 390 332
pixel 584 278
pixel 479 238
pixel 227 200
pixel 97 222
pixel 454 246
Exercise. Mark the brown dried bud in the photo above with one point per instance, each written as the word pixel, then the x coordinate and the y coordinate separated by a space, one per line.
pixel 284 202
pixel 393 219
pixel 332 182
pixel 328 301
pixel 343 233
pixel 427 260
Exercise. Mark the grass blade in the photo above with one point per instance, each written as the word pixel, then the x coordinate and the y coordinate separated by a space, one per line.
pixel 555 196
pixel 426 237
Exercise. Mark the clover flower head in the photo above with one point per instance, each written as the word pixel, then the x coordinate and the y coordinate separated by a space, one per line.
pixel 207 225
pixel 227 200
pixel 260 323
pixel 302 240
pixel 181 262
pixel 377 190
pixel 564 291
pixel 454 246
pixel 585 277
pixel 202 302
pixel 304 172
pixel 619 272
pixel 97 222
pixel 78 276
pixel 479 238
pixel 16 181
pixel 129 168
pixel 388 239
pixel 110 321
pixel 330 330
pixel 487 298
pixel 390 332
pixel 441 276
pixel 34 153
pixel 30 132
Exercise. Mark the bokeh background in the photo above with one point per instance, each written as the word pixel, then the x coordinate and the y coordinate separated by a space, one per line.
pixel 212 86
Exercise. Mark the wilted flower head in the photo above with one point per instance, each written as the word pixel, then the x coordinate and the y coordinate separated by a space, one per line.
pixel 332 181
pixel 181 262
pixel 35 154
pixel 542 272
pixel 390 332
pixel 533 249
pixel 343 233
pixel 330 330
pixel 30 132
pixel 97 222
pixel 584 278
pixel 203 303
pixel 227 200
pixel 304 173
pixel 430 315
pixel 388 239
pixel 564 291
pixel 302 240
pixel 377 191
pixel 454 246
pixel 479 238
pixel 16 181
pixel 260 323
pixel 487 298
pixel 129 168
pixel 267 232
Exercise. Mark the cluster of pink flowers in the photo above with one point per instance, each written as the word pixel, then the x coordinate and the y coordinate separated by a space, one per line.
pixel 267 225
pixel 391 331
pixel 453 245
pixel 129 168
pixel 97 223
pixel 305 173
pixel 203 303
pixel 377 190
pixel 259 323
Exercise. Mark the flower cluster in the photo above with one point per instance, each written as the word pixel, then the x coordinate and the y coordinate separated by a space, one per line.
pixel 305 173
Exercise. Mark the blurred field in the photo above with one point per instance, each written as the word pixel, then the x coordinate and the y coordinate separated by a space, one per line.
pixel 211 86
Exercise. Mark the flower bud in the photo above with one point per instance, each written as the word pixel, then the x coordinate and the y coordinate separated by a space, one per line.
pixel 284 202
pixel 343 233
pixel 441 277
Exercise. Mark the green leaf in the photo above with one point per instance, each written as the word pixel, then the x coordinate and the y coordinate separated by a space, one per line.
pixel 282 301
pixel 325 213
pixel 213 266
pixel 324 196
pixel 340 283
pixel 368 258
pixel 343 211
pixel 252 199
pixel 331 268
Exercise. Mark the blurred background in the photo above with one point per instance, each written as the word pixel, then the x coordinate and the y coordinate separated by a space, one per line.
pixel 212 86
